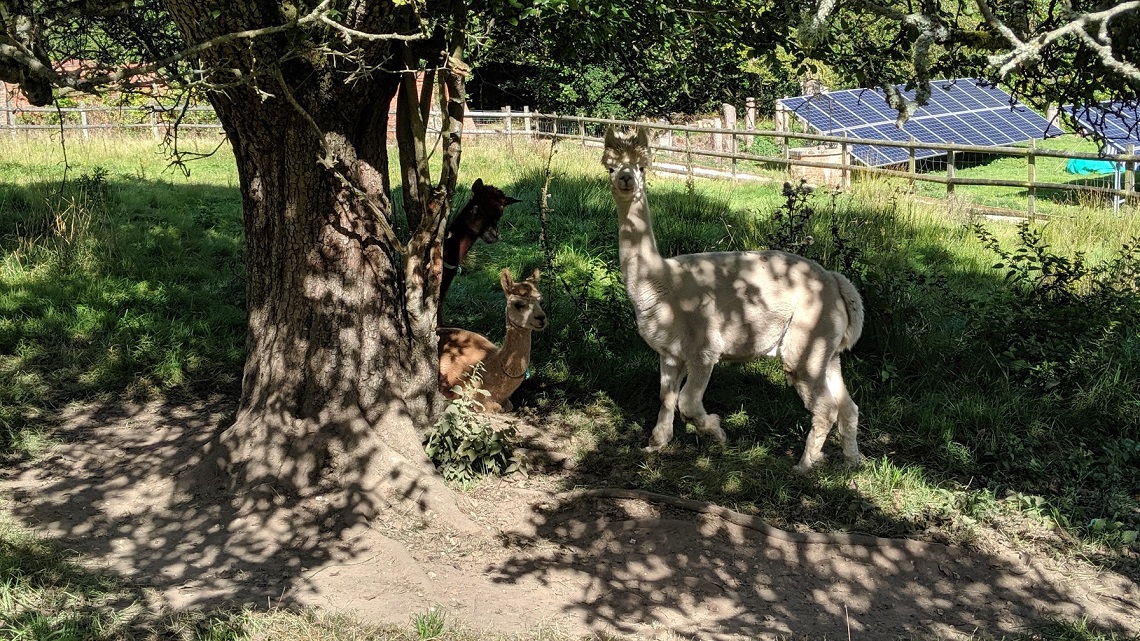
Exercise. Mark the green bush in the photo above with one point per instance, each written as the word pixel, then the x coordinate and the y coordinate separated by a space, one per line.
pixel 464 445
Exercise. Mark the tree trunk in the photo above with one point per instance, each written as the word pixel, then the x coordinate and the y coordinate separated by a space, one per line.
pixel 342 370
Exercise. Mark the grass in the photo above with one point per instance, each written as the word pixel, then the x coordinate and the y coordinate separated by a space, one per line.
pixel 126 279
pixel 1050 170
pixel 988 403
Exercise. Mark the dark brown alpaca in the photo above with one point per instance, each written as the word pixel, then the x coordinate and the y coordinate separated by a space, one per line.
pixel 479 219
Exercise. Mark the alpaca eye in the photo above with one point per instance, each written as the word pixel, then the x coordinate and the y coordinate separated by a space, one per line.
pixel 519 305
pixel 611 170
pixel 641 168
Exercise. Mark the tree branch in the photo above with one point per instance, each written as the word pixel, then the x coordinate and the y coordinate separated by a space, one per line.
pixel 1082 26
pixel 353 33
pixel 68 83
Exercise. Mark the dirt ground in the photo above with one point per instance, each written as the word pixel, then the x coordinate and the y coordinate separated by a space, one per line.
pixel 583 566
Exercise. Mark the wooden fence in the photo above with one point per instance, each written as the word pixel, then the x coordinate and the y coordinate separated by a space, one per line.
pixel 682 149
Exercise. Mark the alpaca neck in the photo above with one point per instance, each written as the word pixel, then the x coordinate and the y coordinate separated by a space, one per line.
pixel 456 243
pixel 641 263
pixel 514 356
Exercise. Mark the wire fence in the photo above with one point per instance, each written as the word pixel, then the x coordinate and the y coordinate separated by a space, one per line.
pixel 1026 180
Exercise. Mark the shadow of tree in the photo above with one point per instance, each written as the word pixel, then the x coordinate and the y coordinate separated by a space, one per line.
pixel 712 579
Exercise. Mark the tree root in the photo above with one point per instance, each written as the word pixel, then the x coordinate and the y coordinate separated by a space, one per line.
pixel 749 521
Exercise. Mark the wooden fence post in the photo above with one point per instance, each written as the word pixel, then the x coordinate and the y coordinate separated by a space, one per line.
pixel 507 120
pixel 732 140
pixel 950 173
pixel 911 164
pixel 582 132
pixel 526 119
pixel 83 120
pixel 688 157
pixel 1130 171
pixel 1031 164
pixel 782 121
pixel 845 163
pixel 750 113
pixel 730 123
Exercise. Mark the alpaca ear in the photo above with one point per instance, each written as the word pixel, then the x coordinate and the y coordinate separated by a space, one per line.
pixel 611 138
pixel 642 138
pixel 477 185
pixel 511 201
pixel 535 276
pixel 505 279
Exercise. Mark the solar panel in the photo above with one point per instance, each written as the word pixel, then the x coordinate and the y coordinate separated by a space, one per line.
pixel 1117 123
pixel 965 111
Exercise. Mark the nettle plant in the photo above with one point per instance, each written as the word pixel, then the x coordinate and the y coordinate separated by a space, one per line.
pixel 464 445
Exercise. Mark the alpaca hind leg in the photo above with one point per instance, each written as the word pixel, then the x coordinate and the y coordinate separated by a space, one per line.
pixel 672 374
pixel 848 413
pixel 692 404
pixel 824 412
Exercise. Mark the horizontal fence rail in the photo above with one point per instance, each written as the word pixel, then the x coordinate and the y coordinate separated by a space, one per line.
pixel 685 144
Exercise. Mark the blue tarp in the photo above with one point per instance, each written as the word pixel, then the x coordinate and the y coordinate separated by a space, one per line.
pixel 1086 167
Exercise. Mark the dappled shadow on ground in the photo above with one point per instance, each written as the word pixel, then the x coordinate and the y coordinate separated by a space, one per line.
pixel 639 567
pixel 135 492
pixel 123 490
pixel 118 492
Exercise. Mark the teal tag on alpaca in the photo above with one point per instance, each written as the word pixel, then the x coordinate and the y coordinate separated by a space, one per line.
pixel 526 374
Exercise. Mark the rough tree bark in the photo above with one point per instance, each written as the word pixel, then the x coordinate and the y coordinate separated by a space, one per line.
pixel 341 372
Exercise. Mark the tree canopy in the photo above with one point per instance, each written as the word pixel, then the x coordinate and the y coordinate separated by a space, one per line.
pixel 622 57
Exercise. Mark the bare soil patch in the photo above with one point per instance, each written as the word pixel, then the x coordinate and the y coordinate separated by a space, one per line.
pixel 122 492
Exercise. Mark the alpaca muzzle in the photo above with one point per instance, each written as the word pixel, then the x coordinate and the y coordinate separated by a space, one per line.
pixel 490 235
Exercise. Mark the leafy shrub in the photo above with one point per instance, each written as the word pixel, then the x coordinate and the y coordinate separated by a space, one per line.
pixel 763 146
pixel 464 445
pixel 791 224
pixel 1061 321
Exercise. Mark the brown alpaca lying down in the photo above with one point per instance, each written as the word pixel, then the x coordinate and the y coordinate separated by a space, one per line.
pixel 503 368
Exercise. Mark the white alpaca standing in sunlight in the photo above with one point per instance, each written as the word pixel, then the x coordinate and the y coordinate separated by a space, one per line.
pixel 696 310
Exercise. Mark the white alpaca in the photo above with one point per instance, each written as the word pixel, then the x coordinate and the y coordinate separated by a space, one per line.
pixel 696 310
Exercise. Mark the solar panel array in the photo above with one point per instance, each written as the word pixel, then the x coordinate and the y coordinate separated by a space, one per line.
pixel 1117 123
pixel 965 111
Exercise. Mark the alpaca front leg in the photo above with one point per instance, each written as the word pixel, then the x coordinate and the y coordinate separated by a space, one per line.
pixel 692 403
pixel 671 377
